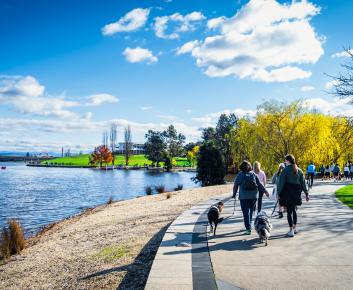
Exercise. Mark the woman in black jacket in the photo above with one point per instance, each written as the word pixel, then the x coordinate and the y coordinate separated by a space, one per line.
pixel 291 185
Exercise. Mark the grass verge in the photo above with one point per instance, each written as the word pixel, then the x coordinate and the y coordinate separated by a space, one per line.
pixel 345 195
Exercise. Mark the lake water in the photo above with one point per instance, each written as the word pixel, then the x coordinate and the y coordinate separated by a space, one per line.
pixel 39 196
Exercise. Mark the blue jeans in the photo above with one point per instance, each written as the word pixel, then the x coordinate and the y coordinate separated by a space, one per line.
pixel 248 208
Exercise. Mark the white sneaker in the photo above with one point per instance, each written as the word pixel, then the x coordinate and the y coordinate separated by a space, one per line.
pixel 290 234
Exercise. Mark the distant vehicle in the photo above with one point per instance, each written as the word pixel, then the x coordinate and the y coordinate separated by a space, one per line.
pixel 3 167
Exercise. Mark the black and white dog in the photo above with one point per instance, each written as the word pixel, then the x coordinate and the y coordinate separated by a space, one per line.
pixel 213 216
pixel 263 226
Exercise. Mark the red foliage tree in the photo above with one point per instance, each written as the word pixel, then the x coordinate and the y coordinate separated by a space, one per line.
pixel 100 155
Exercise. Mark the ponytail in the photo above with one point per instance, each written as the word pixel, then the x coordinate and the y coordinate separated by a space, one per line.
pixel 291 159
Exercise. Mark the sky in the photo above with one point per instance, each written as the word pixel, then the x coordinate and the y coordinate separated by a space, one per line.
pixel 69 69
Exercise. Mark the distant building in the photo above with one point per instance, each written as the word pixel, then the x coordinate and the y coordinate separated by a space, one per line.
pixel 137 148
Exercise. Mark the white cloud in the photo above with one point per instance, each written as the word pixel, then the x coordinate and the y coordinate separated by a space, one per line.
pixel 329 85
pixel 146 108
pixel 335 107
pixel 132 21
pixel 307 88
pixel 99 99
pixel 26 95
pixel 264 41
pixel 189 111
pixel 211 119
pixel 167 117
pixel 187 47
pixel 138 54
pixel 343 54
pixel 183 23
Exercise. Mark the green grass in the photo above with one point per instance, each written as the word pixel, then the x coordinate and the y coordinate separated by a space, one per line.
pixel 345 194
pixel 112 253
pixel 135 160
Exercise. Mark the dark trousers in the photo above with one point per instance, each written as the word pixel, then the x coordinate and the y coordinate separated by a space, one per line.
pixel 259 201
pixel 248 208
pixel 311 179
pixel 292 215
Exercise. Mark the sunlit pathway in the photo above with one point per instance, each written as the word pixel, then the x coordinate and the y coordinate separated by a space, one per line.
pixel 320 256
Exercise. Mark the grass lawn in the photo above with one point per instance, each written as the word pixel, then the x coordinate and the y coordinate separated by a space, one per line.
pixel 135 160
pixel 345 194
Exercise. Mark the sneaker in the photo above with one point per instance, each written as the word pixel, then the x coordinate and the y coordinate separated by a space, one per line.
pixel 211 229
pixel 248 232
pixel 295 231
pixel 290 234
pixel 280 215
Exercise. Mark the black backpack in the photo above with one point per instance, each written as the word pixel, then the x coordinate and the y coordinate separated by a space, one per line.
pixel 249 182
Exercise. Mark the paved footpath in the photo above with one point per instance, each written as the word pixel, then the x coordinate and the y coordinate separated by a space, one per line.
pixel 320 256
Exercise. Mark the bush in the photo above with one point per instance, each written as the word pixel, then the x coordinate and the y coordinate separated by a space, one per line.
pixel 17 239
pixel 12 239
pixel 148 190
pixel 5 244
pixel 179 187
pixel 210 165
pixel 110 200
pixel 160 188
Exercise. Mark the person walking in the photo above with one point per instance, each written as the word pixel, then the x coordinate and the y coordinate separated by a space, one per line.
pixel 322 171
pixel 262 178
pixel 351 171
pixel 346 171
pixel 249 187
pixel 327 172
pixel 311 173
pixel 275 182
pixel 291 185
pixel 336 172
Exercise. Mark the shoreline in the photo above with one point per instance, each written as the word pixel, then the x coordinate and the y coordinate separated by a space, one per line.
pixel 109 246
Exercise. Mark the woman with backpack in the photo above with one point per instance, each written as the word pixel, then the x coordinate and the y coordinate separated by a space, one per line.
pixel 262 178
pixel 249 187
pixel 291 185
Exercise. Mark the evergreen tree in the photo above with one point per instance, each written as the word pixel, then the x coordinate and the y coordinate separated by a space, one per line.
pixel 210 165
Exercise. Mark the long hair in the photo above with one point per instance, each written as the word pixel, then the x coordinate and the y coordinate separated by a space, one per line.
pixel 291 160
pixel 257 167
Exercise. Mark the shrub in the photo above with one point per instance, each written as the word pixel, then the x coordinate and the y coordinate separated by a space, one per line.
pixel 168 195
pixel 160 188
pixel 5 244
pixel 110 200
pixel 148 190
pixel 179 187
pixel 17 239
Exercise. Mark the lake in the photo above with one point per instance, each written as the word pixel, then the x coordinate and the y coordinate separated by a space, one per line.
pixel 39 196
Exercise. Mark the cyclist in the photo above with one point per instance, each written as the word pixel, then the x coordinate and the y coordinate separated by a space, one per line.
pixel 311 172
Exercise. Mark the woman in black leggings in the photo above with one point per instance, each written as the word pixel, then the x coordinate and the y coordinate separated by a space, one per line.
pixel 291 185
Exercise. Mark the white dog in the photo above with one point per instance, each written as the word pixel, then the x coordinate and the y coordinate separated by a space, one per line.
pixel 263 226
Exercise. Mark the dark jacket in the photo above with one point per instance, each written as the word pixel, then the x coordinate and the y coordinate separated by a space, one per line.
pixel 290 187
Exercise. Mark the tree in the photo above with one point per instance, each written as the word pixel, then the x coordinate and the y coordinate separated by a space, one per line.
pixel 155 146
pixel 225 124
pixel 112 139
pixel 343 83
pixel 192 155
pixel 208 134
pixel 105 138
pixel 100 155
pixel 210 165
pixel 174 141
pixel 127 144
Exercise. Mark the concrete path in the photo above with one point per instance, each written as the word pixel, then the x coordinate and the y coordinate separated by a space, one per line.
pixel 320 256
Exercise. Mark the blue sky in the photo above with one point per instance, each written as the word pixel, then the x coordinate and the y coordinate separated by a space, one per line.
pixel 68 69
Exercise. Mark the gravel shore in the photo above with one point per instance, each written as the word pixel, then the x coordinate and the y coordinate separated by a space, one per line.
pixel 109 247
